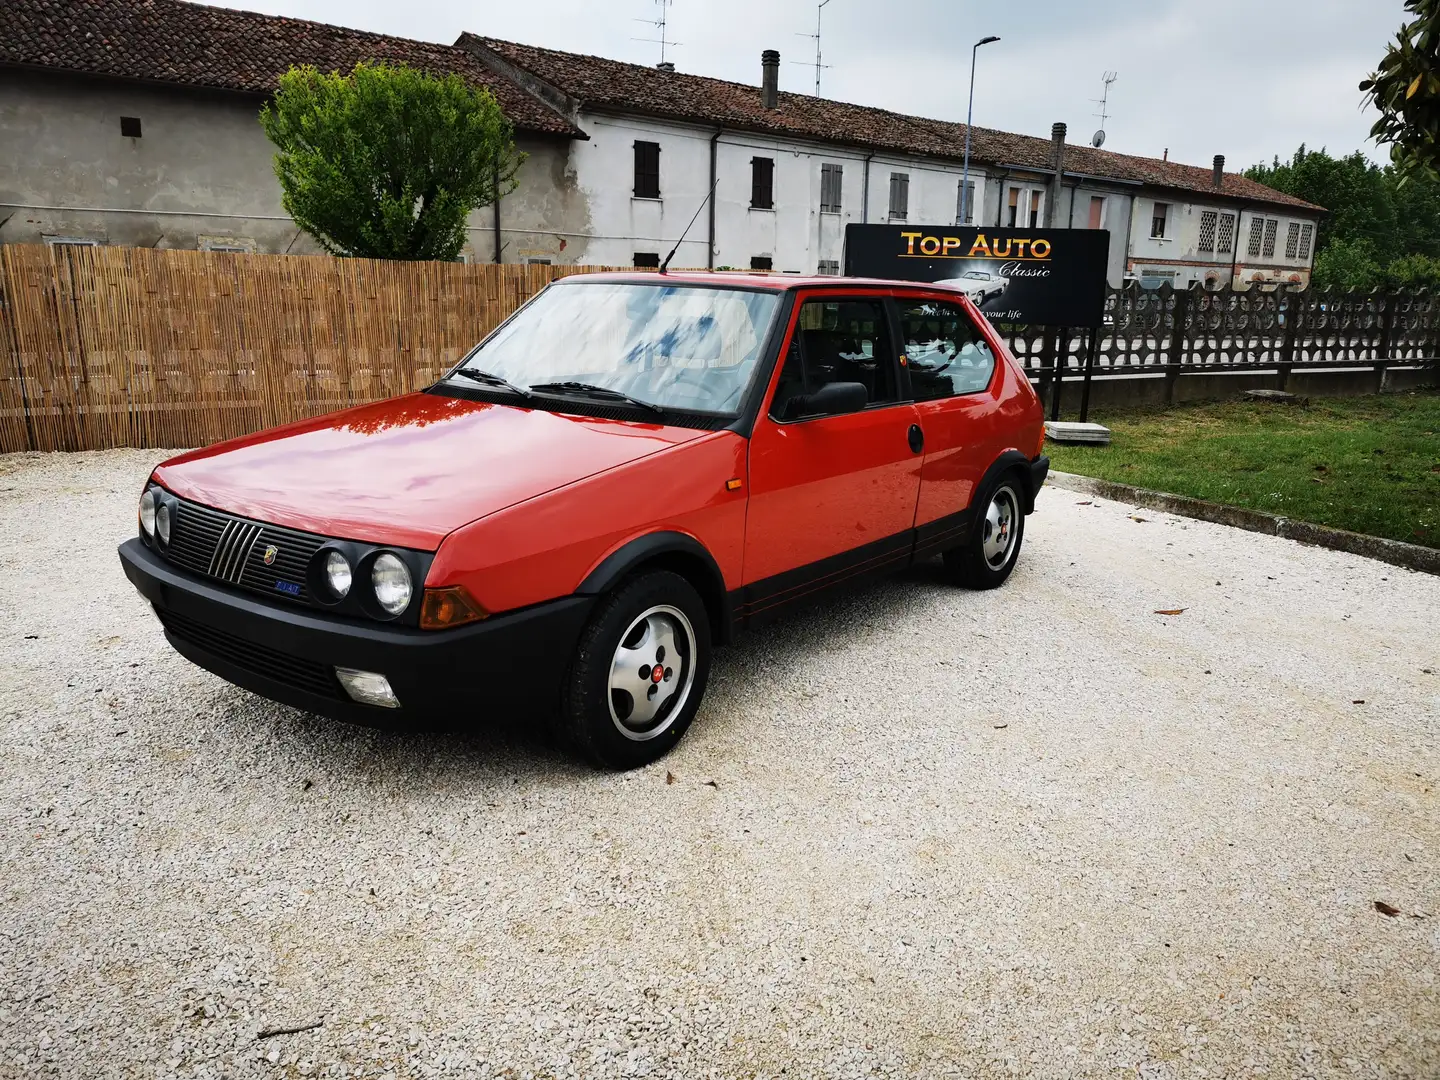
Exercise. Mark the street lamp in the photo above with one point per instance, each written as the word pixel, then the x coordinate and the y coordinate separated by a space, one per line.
pixel 969 112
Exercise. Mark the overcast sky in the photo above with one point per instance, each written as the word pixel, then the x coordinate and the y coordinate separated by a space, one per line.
pixel 1245 78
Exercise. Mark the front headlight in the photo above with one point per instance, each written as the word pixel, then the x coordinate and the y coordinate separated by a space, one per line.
pixel 337 574
pixel 162 523
pixel 390 579
pixel 147 511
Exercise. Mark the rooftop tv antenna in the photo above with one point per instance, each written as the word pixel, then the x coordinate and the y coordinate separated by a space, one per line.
pixel 1104 102
pixel 820 7
pixel 660 24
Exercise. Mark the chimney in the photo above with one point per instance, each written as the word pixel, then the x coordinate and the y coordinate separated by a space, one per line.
pixel 1057 159
pixel 1166 155
pixel 666 65
pixel 1219 177
pixel 770 78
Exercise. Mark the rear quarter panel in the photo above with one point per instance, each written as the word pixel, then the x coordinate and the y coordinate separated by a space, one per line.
pixel 545 547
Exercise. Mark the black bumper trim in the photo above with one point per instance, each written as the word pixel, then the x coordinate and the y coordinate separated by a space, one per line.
pixel 1039 470
pixel 513 661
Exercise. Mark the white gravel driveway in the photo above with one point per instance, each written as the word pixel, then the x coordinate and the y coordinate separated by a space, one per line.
pixel 1036 832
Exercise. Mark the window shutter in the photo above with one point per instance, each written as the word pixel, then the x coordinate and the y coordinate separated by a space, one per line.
pixel 647 170
pixel 762 183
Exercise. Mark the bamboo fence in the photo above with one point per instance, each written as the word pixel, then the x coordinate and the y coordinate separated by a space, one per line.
pixel 113 346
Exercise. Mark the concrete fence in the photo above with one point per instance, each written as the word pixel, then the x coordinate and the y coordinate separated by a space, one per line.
pixel 113 346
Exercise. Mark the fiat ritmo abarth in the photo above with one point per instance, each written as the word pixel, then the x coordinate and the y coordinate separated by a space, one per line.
pixel 625 473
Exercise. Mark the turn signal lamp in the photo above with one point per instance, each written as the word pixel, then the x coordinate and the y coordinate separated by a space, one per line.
pixel 447 607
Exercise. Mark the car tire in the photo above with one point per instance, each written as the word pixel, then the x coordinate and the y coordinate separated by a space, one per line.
pixel 991 550
pixel 618 711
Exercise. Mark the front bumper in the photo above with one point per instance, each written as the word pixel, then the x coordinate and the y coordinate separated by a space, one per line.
pixel 289 654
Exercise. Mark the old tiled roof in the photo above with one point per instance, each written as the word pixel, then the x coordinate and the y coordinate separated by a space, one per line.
pixel 611 84
pixel 195 45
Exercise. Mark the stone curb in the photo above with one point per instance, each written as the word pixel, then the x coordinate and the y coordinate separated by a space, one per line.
pixel 1395 552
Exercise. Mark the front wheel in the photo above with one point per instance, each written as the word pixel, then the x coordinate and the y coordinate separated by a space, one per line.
pixel 639 672
pixel 988 555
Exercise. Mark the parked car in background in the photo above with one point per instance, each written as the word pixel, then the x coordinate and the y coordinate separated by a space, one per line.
pixel 628 471
pixel 981 286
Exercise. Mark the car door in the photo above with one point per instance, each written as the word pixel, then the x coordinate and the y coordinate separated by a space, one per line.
pixel 958 395
pixel 832 497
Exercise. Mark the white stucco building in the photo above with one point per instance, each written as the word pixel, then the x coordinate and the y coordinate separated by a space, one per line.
pixel 131 121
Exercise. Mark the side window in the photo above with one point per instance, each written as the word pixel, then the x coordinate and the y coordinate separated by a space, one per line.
pixel 946 353
pixel 836 341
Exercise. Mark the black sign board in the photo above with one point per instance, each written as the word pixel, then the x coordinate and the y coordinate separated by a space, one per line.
pixel 1046 277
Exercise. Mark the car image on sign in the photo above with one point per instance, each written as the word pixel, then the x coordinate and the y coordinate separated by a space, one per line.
pixel 625 473
pixel 981 286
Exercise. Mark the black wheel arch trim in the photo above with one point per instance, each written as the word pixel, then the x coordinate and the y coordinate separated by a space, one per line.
pixel 1014 461
pixel 662 548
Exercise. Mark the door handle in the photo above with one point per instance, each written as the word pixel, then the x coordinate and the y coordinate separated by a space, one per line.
pixel 917 438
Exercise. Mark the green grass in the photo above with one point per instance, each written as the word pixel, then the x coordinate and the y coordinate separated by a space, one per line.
pixel 1369 464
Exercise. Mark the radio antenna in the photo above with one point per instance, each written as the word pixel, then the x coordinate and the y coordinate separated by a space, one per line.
pixel 666 264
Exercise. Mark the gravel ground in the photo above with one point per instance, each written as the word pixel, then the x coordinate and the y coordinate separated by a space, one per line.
pixel 1037 832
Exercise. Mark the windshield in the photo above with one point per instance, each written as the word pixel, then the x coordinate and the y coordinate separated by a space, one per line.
pixel 977 275
pixel 688 349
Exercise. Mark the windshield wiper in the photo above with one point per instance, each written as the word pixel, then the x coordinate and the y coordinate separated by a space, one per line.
pixel 490 380
pixel 583 388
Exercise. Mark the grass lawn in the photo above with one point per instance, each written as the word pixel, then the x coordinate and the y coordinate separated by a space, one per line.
pixel 1368 464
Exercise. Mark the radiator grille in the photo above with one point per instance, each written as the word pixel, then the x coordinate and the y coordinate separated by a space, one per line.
pixel 233 550
pixel 307 675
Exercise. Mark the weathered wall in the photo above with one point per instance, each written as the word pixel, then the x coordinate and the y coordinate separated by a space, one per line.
pixel 202 166
pixel 795 234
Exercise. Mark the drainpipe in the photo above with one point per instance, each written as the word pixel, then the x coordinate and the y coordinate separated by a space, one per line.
pixel 1235 243
pixel 1129 227
pixel 714 151
pixel 497 213
pixel 865 192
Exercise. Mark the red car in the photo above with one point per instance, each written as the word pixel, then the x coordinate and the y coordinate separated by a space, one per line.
pixel 625 473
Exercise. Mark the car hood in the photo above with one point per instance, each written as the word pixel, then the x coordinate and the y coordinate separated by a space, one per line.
pixel 410 470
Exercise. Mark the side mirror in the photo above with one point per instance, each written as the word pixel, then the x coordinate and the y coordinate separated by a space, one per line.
pixel 832 399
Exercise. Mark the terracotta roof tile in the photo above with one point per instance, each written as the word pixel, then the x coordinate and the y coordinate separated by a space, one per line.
pixel 611 84
pixel 196 45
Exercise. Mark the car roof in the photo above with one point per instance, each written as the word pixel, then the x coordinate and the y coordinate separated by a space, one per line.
pixel 741 280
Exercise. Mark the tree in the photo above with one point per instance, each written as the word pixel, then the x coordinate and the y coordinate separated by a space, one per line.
pixel 388 162
pixel 1406 90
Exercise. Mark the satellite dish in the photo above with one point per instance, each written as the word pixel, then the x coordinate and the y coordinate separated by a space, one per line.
pixel 1098 139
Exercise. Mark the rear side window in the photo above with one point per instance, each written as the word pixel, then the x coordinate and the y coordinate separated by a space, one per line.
pixel 837 341
pixel 946 353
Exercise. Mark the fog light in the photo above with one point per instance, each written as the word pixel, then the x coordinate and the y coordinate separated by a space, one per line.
pixel 367 687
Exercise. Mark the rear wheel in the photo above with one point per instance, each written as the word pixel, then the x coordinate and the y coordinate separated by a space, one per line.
pixel 639 672
pixel 988 555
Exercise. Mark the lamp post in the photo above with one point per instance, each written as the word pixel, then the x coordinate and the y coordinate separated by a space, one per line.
pixel 969 112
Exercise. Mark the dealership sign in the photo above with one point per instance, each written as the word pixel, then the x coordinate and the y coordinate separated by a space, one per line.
pixel 1046 277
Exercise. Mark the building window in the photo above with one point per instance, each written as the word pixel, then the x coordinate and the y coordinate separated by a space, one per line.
pixel 1158 220
pixel 71 241
pixel 1225 235
pixel 130 127
pixel 1035 197
pixel 1306 232
pixel 1257 232
pixel 537 262
pixel 1097 212
pixel 762 262
pixel 829 267
pixel 646 260
pixel 1014 207
pixel 647 170
pixel 1271 224
pixel 830 178
pixel 1292 240
pixel 238 244
pixel 762 183
pixel 965 212
pixel 1208 220
pixel 899 196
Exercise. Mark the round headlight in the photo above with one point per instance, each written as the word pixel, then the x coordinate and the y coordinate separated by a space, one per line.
pixel 147 511
pixel 391 580
pixel 337 574
pixel 162 523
